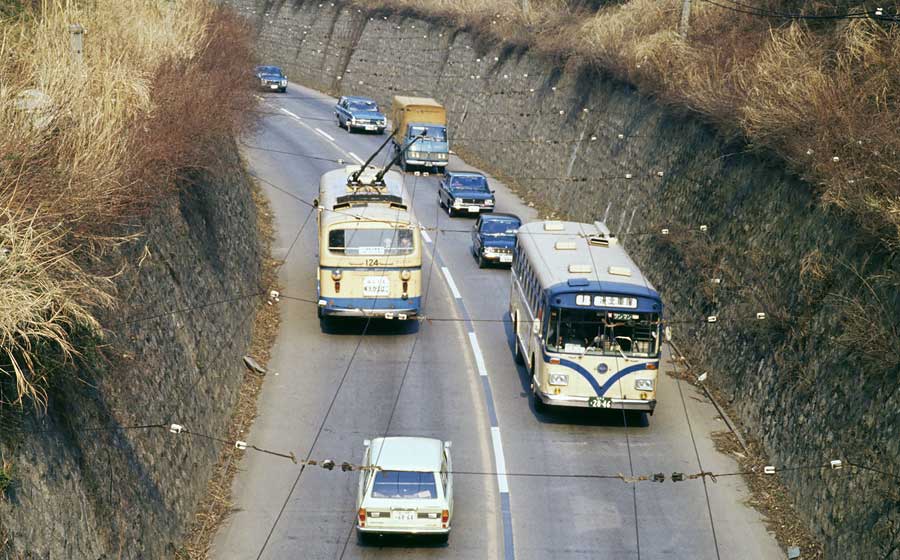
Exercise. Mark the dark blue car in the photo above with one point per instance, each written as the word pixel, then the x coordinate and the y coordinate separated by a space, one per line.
pixel 359 113
pixel 494 239
pixel 271 78
pixel 466 193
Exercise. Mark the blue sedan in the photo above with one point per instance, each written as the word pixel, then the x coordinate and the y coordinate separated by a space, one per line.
pixel 494 239
pixel 465 192
pixel 359 113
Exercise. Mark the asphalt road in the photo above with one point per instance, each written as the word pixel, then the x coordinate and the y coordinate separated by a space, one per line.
pixel 326 392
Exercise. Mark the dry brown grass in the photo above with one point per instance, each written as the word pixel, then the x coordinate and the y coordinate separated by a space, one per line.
pixel 159 84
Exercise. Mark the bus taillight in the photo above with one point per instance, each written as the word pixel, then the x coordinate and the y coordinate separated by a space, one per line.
pixel 405 286
pixel 337 287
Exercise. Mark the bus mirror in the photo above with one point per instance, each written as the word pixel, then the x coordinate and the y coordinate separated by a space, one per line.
pixel 536 327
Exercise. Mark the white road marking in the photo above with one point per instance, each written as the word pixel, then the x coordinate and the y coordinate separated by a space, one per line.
pixel 502 483
pixel 450 281
pixel 286 112
pixel 260 97
pixel 425 236
pixel 356 157
pixel 479 358
pixel 326 135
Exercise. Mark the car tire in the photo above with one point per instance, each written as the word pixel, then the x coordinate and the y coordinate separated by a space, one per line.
pixel 282 90
pixel 481 261
pixel 440 201
pixel 442 539
pixel 363 538
pixel 450 211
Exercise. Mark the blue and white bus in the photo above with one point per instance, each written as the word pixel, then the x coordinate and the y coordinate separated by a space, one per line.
pixel 586 321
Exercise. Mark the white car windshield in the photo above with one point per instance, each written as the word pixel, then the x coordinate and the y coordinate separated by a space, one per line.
pixel 404 484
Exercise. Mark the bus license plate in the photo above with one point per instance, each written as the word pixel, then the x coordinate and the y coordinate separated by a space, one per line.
pixel 474 209
pixel 403 515
pixel 376 286
pixel 599 402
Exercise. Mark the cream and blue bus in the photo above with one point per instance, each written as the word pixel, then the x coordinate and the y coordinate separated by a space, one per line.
pixel 586 322
pixel 370 249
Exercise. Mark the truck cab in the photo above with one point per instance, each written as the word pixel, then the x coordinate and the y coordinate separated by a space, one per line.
pixel 426 119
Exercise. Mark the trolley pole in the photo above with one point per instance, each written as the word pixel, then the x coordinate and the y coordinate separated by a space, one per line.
pixel 685 18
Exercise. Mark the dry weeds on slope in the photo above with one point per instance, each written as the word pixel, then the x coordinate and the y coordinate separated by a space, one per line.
pixel 822 94
pixel 87 147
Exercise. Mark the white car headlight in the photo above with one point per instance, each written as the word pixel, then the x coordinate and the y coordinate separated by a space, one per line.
pixel 490 250
pixel 643 384
pixel 489 202
pixel 559 378
pixel 457 202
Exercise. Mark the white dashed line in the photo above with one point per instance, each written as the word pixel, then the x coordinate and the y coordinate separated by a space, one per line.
pixel 479 358
pixel 453 288
pixel 425 236
pixel 325 134
pixel 286 112
pixel 356 157
pixel 502 483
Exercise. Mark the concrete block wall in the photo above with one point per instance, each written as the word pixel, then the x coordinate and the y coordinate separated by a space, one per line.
pixel 568 137
pixel 130 493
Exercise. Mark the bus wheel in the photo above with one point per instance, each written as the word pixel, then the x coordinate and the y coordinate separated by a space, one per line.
pixel 517 352
pixel 539 405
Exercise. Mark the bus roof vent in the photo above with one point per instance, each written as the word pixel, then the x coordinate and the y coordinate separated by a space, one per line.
pixel 580 268
pixel 554 226
pixel 565 246
pixel 620 271
pixel 596 241
pixel 578 282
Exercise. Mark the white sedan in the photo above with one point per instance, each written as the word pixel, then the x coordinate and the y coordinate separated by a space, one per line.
pixel 410 491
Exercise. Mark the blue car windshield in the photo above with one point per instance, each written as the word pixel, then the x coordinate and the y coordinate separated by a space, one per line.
pixel 474 182
pixel 363 106
pixel 270 70
pixel 432 132
pixel 403 484
pixel 500 227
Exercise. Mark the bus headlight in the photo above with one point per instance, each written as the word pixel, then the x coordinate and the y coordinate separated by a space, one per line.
pixel 405 275
pixel 643 384
pixel 336 275
pixel 559 378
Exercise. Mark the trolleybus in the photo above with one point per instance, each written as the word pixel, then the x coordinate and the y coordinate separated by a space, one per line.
pixel 586 322
pixel 370 250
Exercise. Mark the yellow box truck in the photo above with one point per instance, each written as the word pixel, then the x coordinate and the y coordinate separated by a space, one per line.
pixel 425 117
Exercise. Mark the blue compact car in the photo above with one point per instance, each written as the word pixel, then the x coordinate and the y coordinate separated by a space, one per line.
pixel 494 239
pixel 359 113
pixel 271 78
pixel 465 192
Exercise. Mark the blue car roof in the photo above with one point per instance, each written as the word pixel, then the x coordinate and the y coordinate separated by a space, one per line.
pixel 465 174
pixel 357 98
pixel 499 216
pixel 268 68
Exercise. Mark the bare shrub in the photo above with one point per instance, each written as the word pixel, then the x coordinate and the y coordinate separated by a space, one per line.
pixel 87 148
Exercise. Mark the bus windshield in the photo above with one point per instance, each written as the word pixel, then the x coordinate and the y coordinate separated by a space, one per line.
pixel 371 241
pixel 603 332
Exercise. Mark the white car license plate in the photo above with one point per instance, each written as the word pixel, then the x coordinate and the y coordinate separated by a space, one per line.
pixel 474 209
pixel 403 515
pixel 599 402
pixel 371 127
pixel 506 258
pixel 376 286
pixel 273 86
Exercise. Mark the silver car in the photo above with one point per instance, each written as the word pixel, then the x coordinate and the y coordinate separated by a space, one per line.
pixel 408 488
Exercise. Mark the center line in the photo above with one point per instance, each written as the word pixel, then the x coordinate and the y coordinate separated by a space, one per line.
pixel 479 358
pixel 354 156
pixel 326 135
pixel 502 483
pixel 451 283
pixel 286 112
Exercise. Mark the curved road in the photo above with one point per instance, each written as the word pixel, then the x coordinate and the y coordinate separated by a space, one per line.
pixel 328 391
